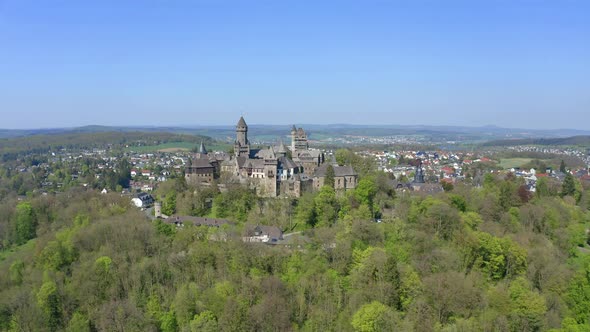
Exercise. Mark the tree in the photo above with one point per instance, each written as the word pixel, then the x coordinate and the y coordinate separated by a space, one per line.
pixel 562 167
pixel 26 223
pixel 569 185
pixel 204 322
pixel 578 294
pixel 305 211
pixel 78 323
pixel 365 191
pixel 325 206
pixel 168 322
pixel 373 317
pixel 49 301
pixel 527 307
pixel 447 186
pixel 103 274
pixel 342 156
pixel 169 204
pixel 124 173
pixel 329 178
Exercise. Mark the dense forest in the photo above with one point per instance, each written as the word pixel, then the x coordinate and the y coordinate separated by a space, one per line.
pixel 489 258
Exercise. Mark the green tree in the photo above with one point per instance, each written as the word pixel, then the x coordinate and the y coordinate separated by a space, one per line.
pixel 497 257
pixel 365 191
pixel 447 186
pixel 578 294
pixel 164 228
pixel 169 204
pixel 373 317
pixel 342 156
pixel 50 303
pixel 168 322
pixel 204 322
pixel 562 167
pixel 569 185
pixel 329 178
pixel 26 223
pixel 104 275
pixel 527 307
pixel 78 323
pixel 543 189
pixel 154 309
pixel 325 206
pixel 305 211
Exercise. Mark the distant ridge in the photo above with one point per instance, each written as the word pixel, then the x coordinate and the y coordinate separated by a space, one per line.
pixel 574 140
pixel 483 133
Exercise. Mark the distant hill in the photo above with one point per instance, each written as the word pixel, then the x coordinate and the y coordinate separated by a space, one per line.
pixel 272 133
pixel 12 148
pixel 574 140
pixel 11 133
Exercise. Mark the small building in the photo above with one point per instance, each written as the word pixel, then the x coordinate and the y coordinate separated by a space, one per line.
pixel 143 200
pixel 197 221
pixel 345 178
pixel 264 234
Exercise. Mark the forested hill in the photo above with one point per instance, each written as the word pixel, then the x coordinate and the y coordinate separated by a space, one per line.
pixel 489 258
pixel 12 133
pixel 12 147
pixel 574 140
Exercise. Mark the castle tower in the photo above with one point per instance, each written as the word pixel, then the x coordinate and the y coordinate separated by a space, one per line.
pixel 202 153
pixel 293 139
pixel 282 152
pixel 158 210
pixel 270 174
pixel 301 140
pixel 242 145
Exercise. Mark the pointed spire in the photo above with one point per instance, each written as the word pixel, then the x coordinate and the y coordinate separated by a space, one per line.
pixel 282 147
pixel 242 122
pixel 202 149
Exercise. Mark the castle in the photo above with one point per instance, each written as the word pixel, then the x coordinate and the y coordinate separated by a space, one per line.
pixel 274 171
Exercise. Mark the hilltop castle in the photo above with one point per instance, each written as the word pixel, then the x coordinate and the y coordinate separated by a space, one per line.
pixel 272 171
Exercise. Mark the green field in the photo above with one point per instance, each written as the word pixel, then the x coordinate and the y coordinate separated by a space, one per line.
pixel 514 162
pixel 175 146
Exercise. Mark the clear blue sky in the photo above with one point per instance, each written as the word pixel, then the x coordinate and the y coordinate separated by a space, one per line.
pixel 508 63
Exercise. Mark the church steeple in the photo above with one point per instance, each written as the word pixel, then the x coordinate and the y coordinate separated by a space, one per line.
pixel 419 175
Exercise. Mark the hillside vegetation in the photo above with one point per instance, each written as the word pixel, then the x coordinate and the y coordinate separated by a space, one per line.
pixel 494 258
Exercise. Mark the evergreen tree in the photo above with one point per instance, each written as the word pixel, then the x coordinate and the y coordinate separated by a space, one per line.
pixel 569 185
pixel 329 179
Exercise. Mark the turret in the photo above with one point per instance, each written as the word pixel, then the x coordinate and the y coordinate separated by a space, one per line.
pixel 158 210
pixel 202 149
pixel 282 152
pixel 293 138
pixel 242 145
